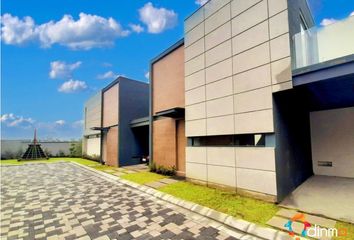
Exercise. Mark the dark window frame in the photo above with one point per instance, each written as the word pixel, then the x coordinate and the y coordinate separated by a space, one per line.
pixel 239 140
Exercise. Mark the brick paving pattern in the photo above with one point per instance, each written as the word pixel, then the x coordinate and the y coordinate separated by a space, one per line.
pixel 64 201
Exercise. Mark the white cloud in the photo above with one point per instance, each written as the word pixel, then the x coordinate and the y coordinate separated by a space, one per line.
pixel 136 28
pixel 328 21
pixel 72 86
pixel 89 31
pixel 12 120
pixel 157 20
pixel 7 116
pixel 62 70
pixel 147 75
pixel 60 122
pixel 17 31
pixel 201 2
pixel 108 75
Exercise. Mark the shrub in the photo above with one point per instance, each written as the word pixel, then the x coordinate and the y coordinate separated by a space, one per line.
pixel 60 153
pixel 152 167
pixel 19 153
pixel 48 152
pixel 168 171
pixel 76 149
pixel 7 155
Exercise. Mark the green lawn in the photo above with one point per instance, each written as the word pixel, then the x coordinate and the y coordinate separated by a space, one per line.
pixel 230 203
pixel 143 177
pixel 82 161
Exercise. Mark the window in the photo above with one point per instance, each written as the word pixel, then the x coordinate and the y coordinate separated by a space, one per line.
pixel 251 140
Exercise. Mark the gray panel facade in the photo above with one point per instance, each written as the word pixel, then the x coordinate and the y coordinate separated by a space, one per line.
pixel 133 104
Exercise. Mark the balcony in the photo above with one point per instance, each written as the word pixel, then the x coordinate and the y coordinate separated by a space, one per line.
pixel 317 47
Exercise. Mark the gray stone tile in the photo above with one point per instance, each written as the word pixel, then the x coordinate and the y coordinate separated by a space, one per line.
pixel 65 201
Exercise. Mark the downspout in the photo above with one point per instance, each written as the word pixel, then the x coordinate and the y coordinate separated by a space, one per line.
pixel 151 118
pixel 101 138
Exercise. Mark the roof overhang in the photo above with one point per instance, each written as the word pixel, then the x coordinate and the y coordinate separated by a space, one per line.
pixel 333 69
pixel 176 113
pixel 140 122
pixel 102 129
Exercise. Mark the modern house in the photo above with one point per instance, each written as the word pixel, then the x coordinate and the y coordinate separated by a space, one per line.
pixel 116 123
pixel 267 102
pixel 167 131
pixel 125 125
pixel 91 141
pixel 255 99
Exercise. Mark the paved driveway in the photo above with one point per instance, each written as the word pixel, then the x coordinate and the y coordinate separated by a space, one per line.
pixel 328 196
pixel 64 201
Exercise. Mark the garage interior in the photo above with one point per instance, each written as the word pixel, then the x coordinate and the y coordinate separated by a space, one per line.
pixel 315 145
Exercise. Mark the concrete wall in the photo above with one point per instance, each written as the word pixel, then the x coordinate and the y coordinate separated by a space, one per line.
pixel 92 146
pixel 332 140
pixel 168 89
pixel 292 139
pixel 92 118
pixel 92 114
pixel 237 54
pixel 15 146
pixel 244 168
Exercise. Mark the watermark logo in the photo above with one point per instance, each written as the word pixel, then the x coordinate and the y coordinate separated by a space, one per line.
pixel 299 217
pixel 312 231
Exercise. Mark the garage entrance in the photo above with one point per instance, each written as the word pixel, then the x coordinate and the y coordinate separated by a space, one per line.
pixel 332 142
pixel 315 143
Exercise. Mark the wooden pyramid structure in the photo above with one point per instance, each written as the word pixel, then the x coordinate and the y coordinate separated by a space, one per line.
pixel 34 150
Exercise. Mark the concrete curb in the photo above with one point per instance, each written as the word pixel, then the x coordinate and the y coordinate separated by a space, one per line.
pixel 228 220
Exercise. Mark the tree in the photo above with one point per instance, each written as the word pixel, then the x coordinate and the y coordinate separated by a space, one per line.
pixel 76 149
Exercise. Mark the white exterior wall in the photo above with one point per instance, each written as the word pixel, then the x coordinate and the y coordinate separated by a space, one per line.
pixel 92 118
pixel 332 140
pixel 237 54
pixel 249 168
pixel 92 114
pixel 93 146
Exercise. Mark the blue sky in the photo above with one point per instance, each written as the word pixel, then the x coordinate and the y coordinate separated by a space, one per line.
pixel 51 64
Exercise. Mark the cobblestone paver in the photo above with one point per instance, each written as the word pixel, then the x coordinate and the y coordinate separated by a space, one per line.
pixel 64 201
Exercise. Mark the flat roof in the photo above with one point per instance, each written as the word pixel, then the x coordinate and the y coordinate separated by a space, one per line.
pixel 168 51
pixel 120 78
